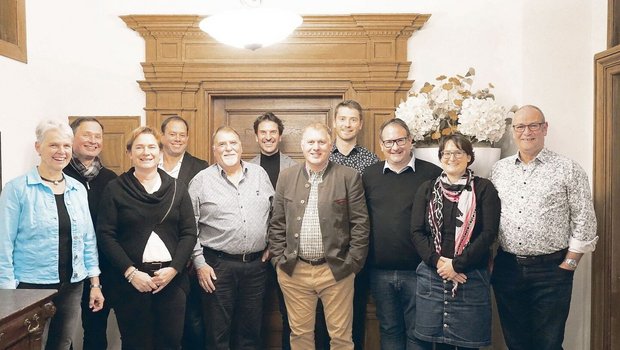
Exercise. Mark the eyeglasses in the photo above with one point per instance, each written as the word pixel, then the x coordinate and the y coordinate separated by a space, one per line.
pixel 533 127
pixel 390 143
pixel 458 154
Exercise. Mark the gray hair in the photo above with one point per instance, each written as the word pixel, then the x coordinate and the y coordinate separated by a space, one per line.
pixel 48 125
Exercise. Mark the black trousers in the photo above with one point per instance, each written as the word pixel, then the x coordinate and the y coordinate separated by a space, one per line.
pixel 360 302
pixel 151 321
pixel 95 324
pixel 234 311
pixel 194 333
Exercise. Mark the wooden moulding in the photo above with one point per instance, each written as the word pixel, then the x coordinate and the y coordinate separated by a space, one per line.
pixel 360 56
pixel 606 258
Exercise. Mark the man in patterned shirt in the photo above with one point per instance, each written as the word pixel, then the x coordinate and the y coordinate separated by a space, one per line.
pixel 547 224
pixel 348 123
pixel 232 201
pixel 318 236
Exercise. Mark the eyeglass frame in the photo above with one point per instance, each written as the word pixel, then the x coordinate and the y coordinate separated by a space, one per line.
pixel 400 142
pixel 458 154
pixel 537 126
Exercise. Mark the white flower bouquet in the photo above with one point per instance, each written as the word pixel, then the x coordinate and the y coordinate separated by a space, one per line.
pixel 450 106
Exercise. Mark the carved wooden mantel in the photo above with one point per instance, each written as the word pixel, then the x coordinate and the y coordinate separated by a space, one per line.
pixel 348 56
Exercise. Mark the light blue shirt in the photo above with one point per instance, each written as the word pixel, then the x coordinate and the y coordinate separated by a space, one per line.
pixel 29 232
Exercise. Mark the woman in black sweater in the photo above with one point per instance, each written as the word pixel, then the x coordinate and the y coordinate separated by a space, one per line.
pixel 455 220
pixel 146 230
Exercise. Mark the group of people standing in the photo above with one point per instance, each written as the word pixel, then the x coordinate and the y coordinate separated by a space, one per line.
pixel 182 249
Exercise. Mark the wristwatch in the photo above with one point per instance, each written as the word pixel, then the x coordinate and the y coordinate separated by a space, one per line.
pixel 571 262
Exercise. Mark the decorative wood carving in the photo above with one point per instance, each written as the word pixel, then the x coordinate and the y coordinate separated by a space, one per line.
pixel 13 29
pixel 606 258
pixel 350 56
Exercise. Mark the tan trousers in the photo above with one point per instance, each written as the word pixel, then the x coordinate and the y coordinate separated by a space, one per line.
pixel 301 293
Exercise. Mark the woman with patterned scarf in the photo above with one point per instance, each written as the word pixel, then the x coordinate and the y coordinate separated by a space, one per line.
pixel 455 220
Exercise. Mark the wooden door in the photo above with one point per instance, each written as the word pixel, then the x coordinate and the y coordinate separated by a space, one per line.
pixel 606 259
pixel 115 133
pixel 295 112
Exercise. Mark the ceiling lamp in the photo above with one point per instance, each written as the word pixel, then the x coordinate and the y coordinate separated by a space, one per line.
pixel 252 26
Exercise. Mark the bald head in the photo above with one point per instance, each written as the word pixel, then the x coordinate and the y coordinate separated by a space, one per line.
pixel 531 109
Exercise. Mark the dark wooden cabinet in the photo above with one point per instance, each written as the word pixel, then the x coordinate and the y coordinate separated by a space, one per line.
pixel 23 314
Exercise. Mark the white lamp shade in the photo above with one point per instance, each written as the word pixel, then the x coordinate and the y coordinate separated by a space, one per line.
pixel 251 28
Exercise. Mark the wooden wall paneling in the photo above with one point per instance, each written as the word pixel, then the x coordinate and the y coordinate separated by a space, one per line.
pixel 13 30
pixel 328 58
pixel 606 258
pixel 295 112
pixel 365 53
pixel 116 130
pixel 613 23
pixel 379 117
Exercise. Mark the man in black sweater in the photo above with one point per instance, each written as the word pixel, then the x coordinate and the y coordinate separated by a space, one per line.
pixel 390 188
pixel 268 129
pixel 86 167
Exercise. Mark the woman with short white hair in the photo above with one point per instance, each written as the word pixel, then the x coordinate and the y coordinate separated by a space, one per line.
pixel 47 239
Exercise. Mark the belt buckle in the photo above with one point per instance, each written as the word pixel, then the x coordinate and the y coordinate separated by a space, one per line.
pixel 156 265
pixel 243 258
pixel 521 258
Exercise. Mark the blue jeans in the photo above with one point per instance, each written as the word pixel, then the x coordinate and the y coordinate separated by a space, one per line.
pixel 533 302
pixel 394 292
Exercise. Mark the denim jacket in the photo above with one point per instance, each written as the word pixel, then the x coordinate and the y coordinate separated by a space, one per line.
pixel 29 232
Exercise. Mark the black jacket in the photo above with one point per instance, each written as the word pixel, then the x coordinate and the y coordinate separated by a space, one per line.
pixel 94 187
pixel 190 167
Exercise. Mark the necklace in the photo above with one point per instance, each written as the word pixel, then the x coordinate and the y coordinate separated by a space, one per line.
pixel 55 182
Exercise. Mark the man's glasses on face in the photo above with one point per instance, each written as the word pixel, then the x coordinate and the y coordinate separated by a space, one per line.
pixel 390 143
pixel 533 127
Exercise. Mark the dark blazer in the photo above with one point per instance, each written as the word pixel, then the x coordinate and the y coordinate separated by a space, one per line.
pixel 190 166
pixel 342 212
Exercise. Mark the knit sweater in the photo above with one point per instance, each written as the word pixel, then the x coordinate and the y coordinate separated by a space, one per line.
pixel 390 198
